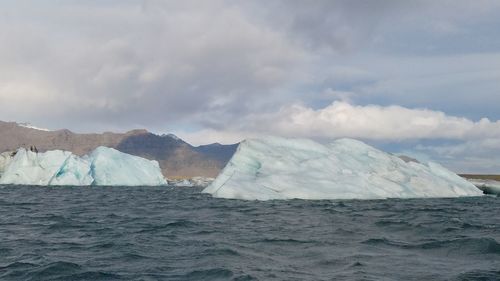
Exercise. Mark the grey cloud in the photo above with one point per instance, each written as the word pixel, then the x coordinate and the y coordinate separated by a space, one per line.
pixel 474 156
pixel 218 68
pixel 331 25
pixel 148 64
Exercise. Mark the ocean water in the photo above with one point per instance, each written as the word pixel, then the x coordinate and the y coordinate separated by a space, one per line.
pixel 167 233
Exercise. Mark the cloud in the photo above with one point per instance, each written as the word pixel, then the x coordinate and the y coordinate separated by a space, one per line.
pixel 130 65
pixel 380 123
pixel 224 70
pixel 461 144
pixel 123 64
pixel 371 122
pixel 332 25
pixel 474 156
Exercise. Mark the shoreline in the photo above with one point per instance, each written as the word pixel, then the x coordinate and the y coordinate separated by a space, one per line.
pixel 481 177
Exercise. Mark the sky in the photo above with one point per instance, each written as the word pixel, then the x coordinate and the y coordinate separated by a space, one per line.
pixel 415 77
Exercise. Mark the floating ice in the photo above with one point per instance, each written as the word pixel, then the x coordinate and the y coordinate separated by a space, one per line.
pixel 487 186
pixel 50 168
pixel 190 182
pixel 112 167
pixel 278 168
pixel 104 166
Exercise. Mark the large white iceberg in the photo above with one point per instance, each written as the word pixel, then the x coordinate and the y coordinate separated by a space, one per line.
pixel 104 166
pixel 279 168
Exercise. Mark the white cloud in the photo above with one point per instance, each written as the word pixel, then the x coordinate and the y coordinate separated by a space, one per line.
pixel 371 122
pixel 475 148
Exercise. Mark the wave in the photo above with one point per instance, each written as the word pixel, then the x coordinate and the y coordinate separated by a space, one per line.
pixel 220 252
pixel 469 245
pixel 286 241
pixel 485 275
pixel 209 274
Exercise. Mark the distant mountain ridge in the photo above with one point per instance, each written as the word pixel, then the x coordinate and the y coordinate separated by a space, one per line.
pixel 177 158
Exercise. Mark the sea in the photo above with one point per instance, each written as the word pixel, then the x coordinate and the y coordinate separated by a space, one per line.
pixel 179 233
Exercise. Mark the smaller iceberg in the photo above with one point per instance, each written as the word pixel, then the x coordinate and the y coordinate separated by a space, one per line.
pixel 55 167
pixel 279 168
pixel 112 167
pixel 104 166
pixel 487 186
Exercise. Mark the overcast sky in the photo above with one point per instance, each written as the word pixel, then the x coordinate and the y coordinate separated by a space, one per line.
pixel 418 77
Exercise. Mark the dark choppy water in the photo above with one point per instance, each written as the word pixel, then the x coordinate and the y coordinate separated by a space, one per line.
pixel 164 233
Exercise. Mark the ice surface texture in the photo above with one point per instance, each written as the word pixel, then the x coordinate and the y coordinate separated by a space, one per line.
pixel 104 166
pixel 279 168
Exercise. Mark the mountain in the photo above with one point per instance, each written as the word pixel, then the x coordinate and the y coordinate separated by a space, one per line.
pixel 220 152
pixel 177 158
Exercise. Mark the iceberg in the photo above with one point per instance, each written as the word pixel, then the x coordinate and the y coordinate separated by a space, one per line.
pixel 50 168
pixel 104 166
pixel 279 168
pixel 112 167
pixel 487 186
